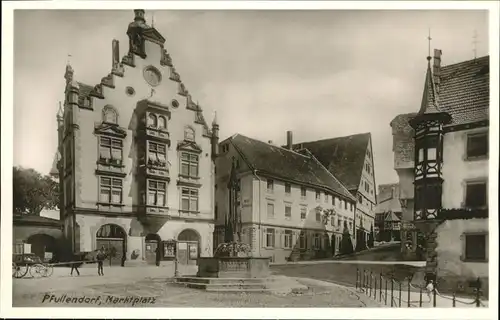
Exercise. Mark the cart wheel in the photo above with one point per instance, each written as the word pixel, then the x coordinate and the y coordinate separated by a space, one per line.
pixel 49 269
pixel 19 271
pixel 37 270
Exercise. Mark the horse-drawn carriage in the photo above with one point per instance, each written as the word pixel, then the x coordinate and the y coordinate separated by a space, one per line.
pixel 24 263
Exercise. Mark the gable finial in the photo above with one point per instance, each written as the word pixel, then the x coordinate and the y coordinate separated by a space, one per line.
pixel 429 46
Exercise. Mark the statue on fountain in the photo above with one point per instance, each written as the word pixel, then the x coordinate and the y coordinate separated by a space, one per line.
pixel 233 247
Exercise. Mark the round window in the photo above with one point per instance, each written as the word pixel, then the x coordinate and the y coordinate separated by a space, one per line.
pixel 175 103
pixel 130 91
pixel 152 76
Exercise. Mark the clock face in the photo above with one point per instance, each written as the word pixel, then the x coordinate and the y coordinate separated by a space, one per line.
pixel 152 76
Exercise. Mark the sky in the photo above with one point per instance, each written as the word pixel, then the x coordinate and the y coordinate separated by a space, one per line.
pixel 320 74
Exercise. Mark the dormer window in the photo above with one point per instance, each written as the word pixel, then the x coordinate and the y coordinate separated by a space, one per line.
pixel 109 115
pixel 189 134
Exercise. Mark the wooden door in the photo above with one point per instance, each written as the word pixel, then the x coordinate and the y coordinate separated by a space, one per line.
pixel 151 254
pixel 115 248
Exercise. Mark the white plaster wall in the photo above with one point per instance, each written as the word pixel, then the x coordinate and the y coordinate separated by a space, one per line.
pixel 450 248
pixel 457 170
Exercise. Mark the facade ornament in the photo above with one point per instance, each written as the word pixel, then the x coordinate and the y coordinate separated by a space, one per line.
pixel 174 75
pixel 108 81
pixel 129 59
pixel 166 60
pixel 182 90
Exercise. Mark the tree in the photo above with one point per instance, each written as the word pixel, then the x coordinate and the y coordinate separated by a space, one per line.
pixel 33 192
pixel 346 244
pixel 371 238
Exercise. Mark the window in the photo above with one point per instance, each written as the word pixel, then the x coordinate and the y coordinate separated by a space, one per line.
pixel 350 227
pixel 189 199
pixel 162 122
pixel 110 190
pixel 189 134
pixel 339 223
pixel 475 247
pixel 270 210
pixel 270 185
pixel 345 205
pixel 326 198
pixel 152 120
pixel 288 239
pixel 318 195
pixel 270 238
pixel 109 115
pixel 303 192
pixel 157 193
pixel 352 207
pixel 476 195
pixel 367 168
pixel 477 145
pixel 288 189
pixel 368 153
pixel 303 213
pixel 360 198
pixel 110 150
pixel 317 241
pixel 367 187
pixel 216 212
pixel 288 212
pixel 332 222
pixel 157 154
pixel 318 215
pixel 189 164
pixel 302 241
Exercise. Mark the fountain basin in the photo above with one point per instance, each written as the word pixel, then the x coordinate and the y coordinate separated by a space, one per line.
pixel 233 267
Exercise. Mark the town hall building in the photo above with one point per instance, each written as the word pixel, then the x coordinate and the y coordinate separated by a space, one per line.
pixel 136 172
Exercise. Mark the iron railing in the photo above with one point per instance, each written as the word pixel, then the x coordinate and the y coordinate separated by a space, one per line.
pixel 383 288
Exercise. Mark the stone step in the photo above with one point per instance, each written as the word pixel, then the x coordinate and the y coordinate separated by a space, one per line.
pixel 226 286
pixel 223 280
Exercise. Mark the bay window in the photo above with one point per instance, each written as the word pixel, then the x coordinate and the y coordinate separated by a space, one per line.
pixel 157 193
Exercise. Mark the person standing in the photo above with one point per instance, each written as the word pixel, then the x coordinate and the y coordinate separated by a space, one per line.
pixel 430 289
pixel 100 261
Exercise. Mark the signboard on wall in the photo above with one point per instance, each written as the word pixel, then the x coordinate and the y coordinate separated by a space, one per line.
pixel 408 225
pixel 169 249
pixel 193 251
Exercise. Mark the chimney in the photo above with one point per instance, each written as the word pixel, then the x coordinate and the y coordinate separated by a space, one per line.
pixel 289 141
pixel 436 70
pixel 270 141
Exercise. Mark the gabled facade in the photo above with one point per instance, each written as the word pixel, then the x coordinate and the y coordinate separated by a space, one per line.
pixel 283 196
pixel 136 158
pixel 350 159
pixel 388 213
pixel 449 178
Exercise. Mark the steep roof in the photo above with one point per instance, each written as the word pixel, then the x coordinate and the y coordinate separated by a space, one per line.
pixel 287 164
pixel 464 92
pixel 343 156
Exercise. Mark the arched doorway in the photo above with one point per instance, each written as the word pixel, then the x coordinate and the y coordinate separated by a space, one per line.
pixel 153 249
pixel 42 245
pixel 188 245
pixel 113 239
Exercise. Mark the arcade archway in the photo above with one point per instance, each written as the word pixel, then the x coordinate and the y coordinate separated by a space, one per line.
pixel 42 245
pixel 113 239
pixel 188 245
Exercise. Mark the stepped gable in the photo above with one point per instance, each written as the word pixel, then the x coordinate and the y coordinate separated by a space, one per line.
pixel 286 164
pixel 118 70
